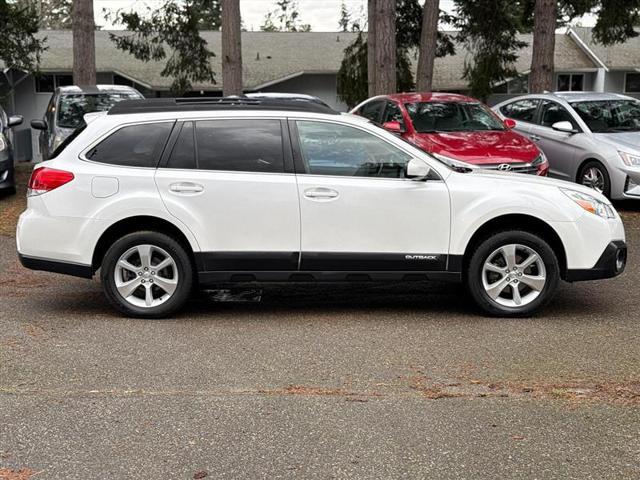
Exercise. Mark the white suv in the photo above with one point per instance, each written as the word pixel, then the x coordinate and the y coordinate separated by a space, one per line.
pixel 164 195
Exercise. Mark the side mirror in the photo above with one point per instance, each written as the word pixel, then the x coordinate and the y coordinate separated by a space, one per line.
pixel 14 121
pixel 38 124
pixel 509 123
pixel 417 170
pixel 393 127
pixel 563 127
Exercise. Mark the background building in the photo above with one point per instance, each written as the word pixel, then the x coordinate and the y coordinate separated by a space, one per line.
pixel 305 63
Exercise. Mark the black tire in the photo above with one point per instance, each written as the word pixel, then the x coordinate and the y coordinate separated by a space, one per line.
pixel 485 250
pixel 7 192
pixel 594 164
pixel 183 264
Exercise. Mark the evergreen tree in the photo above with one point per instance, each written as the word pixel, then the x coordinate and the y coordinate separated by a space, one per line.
pixel 52 14
pixel 285 18
pixel 171 32
pixel 353 73
pixel 489 30
pixel 345 18
pixel 19 46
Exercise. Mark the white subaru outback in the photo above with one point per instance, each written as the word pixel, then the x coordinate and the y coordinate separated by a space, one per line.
pixel 164 195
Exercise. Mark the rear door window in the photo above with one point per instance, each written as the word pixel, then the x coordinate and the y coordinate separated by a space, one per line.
pixel 522 110
pixel 240 145
pixel 133 145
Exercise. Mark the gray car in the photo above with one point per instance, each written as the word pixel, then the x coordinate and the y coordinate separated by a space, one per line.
pixel 588 137
pixel 67 107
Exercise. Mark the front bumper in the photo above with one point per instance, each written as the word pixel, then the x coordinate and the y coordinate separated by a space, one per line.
pixel 6 174
pixel 610 264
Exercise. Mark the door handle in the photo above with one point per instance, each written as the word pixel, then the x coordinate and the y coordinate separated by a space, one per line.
pixel 321 193
pixel 186 187
pixel 535 138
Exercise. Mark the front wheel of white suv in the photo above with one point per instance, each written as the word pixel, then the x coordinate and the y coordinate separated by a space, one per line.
pixel 512 273
pixel 147 274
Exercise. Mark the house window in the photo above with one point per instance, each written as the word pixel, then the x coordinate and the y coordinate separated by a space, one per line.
pixel 514 86
pixel 632 83
pixel 47 83
pixel 570 82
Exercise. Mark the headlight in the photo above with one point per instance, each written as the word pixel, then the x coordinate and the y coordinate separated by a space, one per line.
pixel 57 140
pixel 3 143
pixel 540 159
pixel 457 165
pixel 590 204
pixel 630 159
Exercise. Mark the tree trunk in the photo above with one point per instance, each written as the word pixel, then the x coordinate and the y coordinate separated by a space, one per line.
pixel 371 46
pixel 84 43
pixel 544 44
pixel 231 48
pixel 385 52
pixel 428 44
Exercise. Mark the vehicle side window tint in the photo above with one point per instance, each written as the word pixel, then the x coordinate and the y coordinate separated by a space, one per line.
pixel 133 146
pixel 392 114
pixel 551 113
pixel 183 154
pixel 523 110
pixel 372 111
pixel 332 149
pixel 240 145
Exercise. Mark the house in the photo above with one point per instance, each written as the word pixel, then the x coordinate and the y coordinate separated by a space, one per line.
pixel 306 63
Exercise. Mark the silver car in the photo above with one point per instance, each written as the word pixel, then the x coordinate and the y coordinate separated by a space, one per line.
pixel 588 137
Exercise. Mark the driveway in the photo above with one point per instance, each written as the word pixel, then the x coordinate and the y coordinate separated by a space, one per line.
pixel 399 381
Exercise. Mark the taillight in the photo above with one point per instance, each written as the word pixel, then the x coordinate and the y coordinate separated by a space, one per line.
pixel 46 179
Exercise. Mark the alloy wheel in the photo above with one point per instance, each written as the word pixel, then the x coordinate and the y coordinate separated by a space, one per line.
pixel 592 177
pixel 514 275
pixel 146 276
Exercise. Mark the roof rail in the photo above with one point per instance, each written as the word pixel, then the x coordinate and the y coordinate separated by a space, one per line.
pixel 297 104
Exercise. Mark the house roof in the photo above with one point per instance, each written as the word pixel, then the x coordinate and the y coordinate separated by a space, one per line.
pixel 622 56
pixel 271 57
pixel 268 57
pixel 448 70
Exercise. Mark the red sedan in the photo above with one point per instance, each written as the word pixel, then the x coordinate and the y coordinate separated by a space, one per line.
pixel 457 129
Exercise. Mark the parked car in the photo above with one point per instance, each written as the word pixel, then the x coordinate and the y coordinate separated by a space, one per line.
pixel 160 194
pixel 7 179
pixel 590 138
pixel 456 129
pixel 286 96
pixel 67 107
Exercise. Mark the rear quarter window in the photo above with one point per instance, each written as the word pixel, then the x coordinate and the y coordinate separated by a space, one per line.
pixel 132 146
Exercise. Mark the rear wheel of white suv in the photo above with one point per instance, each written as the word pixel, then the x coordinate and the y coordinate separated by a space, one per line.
pixel 147 274
pixel 512 273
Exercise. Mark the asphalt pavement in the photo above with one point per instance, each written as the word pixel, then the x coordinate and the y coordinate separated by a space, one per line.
pixel 350 381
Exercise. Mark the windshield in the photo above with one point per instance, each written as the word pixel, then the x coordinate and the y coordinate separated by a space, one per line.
pixel 610 115
pixel 72 107
pixel 435 117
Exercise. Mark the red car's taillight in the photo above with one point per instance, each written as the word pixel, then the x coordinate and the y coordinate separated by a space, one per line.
pixel 46 179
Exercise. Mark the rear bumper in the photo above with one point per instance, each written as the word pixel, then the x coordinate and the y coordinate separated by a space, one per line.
pixel 610 264
pixel 56 266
